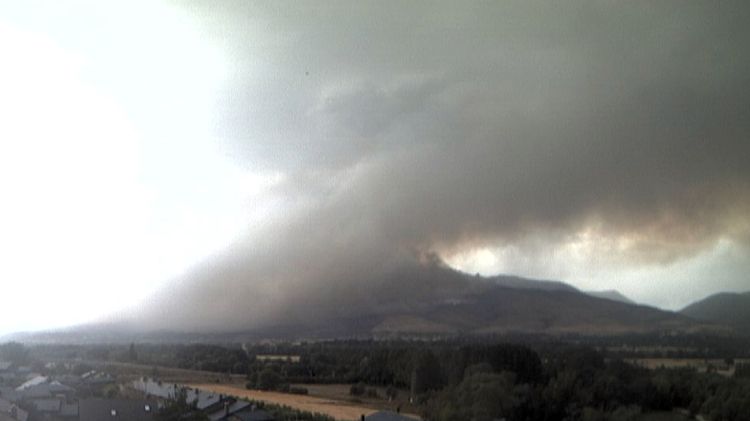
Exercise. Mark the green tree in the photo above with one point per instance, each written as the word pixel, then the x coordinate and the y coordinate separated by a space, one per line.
pixel 479 397
pixel 268 379
pixel 132 354
pixel 426 373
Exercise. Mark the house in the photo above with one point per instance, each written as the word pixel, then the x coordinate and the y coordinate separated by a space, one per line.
pixel 90 383
pixel 52 389
pixel 52 409
pixel 10 412
pixel 218 407
pixel 229 408
pixel 45 407
pixel 156 388
pixel 34 381
pixel 69 410
pixel 204 401
pixel 96 409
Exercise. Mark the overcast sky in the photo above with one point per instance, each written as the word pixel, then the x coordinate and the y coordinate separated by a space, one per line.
pixel 271 147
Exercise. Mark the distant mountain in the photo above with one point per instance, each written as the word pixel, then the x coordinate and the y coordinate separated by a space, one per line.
pixel 731 309
pixel 611 294
pixel 525 283
pixel 410 300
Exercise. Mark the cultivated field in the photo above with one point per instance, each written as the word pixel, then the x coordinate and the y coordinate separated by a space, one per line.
pixel 333 400
pixel 341 410
pixel 340 392
pixel 130 371
pixel 699 364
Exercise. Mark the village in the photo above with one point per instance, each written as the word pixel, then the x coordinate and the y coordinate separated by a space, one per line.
pixel 57 391
pixel 28 394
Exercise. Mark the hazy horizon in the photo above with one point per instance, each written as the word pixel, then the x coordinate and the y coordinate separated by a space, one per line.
pixel 269 150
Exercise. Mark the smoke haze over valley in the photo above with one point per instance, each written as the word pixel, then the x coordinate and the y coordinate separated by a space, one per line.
pixel 237 165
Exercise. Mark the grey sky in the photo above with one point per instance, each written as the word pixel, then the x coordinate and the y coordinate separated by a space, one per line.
pixel 601 143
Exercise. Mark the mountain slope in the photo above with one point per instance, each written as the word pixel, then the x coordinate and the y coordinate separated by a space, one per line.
pixel 416 298
pixel 525 283
pixel 504 310
pixel 611 294
pixel 731 309
pixel 413 299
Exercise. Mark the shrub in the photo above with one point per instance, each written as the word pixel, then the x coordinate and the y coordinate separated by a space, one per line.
pixel 357 389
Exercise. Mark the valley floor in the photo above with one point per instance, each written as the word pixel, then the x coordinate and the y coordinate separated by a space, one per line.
pixel 339 409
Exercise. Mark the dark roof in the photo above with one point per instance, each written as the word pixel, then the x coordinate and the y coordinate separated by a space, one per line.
pixel 250 415
pixel 202 398
pixel 69 410
pixel 46 405
pixel 387 416
pixel 36 392
pixel 221 413
pixel 95 409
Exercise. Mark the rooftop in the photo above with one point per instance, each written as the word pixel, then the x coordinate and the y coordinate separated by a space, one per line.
pixel 96 409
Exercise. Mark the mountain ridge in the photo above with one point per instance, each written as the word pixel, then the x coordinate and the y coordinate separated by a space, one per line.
pixel 611 294
pixel 424 300
pixel 728 308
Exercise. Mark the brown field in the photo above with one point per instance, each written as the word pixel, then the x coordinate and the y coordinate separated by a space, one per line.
pixel 275 357
pixel 333 400
pixel 339 409
pixel 699 364
pixel 130 371
pixel 340 392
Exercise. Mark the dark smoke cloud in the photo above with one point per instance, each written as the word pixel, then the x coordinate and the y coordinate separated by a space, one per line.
pixel 406 129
